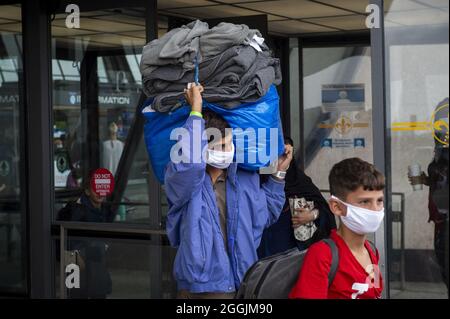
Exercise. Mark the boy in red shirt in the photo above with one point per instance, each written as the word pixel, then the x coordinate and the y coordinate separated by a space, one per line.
pixel 357 199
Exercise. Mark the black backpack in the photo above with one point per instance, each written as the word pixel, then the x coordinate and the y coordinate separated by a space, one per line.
pixel 273 277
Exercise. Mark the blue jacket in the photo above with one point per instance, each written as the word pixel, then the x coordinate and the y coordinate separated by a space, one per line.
pixel 202 263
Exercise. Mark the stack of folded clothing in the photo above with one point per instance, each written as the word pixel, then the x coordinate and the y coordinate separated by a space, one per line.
pixel 235 66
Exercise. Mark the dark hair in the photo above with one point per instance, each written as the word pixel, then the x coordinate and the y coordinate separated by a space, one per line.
pixel 214 120
pixel 350 174
pixel 289 141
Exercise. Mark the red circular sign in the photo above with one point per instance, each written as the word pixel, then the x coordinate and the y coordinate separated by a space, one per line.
pixel 102 182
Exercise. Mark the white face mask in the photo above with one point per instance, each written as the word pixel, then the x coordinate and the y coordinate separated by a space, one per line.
pixel 220 159
pixel 360 220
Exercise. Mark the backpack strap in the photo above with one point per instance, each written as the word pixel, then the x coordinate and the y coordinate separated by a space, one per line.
pixel 334 259
pixel 374 248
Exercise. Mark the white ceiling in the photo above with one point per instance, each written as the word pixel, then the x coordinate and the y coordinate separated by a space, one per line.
pixel 285 17
pixel 296 17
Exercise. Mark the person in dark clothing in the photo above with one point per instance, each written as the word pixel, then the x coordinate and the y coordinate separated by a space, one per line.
pixel 438 205
pixel 280 236
pixel 438 183
pixel 95 279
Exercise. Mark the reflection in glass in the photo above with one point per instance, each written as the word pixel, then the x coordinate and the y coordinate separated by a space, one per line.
pixel 12 268
pixel 337 108
pixel 97 86
pixel 417 54
pixel 104 274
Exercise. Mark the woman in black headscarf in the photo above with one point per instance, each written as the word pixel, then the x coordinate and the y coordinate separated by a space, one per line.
pixel 280 236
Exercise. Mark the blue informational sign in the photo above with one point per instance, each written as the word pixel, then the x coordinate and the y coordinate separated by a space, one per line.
pixel 328 142
pixel 343 97
pixel 359 142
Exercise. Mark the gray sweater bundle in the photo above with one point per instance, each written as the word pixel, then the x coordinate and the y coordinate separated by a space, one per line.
pixel 234 65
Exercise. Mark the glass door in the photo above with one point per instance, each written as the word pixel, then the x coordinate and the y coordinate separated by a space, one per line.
pixel 337 112
pixel 337 108
pixel 417 87
pixel 118 245
pixel 12 208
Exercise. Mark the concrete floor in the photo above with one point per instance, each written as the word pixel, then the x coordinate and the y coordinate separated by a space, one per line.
pixel 420 290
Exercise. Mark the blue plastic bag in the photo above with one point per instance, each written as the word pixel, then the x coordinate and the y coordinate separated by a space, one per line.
pixel 261 116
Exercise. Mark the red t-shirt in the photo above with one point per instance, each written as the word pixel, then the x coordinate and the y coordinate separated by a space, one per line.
pixel 351 281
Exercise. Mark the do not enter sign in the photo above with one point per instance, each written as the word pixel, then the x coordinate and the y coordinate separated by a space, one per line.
pixel 102 182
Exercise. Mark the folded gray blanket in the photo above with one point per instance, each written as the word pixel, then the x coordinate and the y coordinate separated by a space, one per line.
pixel 231 71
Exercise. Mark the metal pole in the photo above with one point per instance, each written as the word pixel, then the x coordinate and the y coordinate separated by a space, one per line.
pixel 38 130
pixel 381 145
pixel 62 262
pixel 402 257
